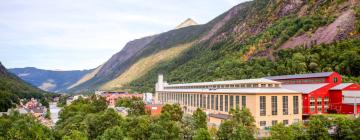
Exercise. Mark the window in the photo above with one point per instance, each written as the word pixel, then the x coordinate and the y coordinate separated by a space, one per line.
pixel 277 85
pixel 226 103
pixel 237 101
pixel 285 122
pixel 273 122
pixel 221 102
pixel 262 123
pixel 263 85
pixel 212 102
pixel 326 103
pixel 270 85
pixel 191 100
pixel 243 101
pixel 255 85
pixel 217 102
pixel 262 105
pixel 208 102
pixel 186 99
pixel 203 101
pixel 273 105
pixel 296 104
pixel 231 101
pixel 197 100
pixel 285 105
pixel 335 79
pixel 319 105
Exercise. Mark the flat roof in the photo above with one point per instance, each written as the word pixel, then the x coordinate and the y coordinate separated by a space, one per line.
pixel 220 116
pixel 341 86
pixel 304 88
pixel 298 76
pixel 235 90
pixel 244 81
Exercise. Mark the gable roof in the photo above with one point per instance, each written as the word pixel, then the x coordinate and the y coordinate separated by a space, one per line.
pixel 304 88
pixel 243 81
pixel 341 86
pixel 298 76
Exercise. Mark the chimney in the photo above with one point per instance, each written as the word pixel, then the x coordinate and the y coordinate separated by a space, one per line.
pixel 160 83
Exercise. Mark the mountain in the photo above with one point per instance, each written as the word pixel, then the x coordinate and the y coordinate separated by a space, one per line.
pixel 186 23
pixel 12 88
pixel 49 80
pixel 253 39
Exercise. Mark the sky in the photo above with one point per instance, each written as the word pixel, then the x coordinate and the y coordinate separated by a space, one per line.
pixel 83 34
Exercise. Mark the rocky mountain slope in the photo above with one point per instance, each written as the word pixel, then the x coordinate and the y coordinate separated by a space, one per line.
pixel 12 88
pixel 186 23
pixel 252 39
pixel 48 80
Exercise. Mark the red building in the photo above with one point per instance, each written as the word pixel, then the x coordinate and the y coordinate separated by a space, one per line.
pixel 344 97
pixel 321 91
pixel 155 109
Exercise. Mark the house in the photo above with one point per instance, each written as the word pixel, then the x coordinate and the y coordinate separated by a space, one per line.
pixel 345 98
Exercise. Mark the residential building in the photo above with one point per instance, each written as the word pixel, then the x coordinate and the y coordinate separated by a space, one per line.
pixel 266 99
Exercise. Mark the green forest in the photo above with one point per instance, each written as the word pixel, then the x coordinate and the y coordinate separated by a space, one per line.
pixel 90 119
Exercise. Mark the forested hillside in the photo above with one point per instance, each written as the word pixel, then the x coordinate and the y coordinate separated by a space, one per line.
pixel 13 88
pixel 255 39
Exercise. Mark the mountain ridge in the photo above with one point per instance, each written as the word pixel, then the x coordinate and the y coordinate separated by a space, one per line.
pixel 241 36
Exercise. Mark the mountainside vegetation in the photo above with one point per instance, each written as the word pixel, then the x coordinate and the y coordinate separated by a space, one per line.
pixel 254 39
pixel 13 88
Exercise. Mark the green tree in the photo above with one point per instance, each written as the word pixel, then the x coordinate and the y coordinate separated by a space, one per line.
pixel 344 129
pixel 76 135
pixel 165 129
pixel 138 127
pixel 199 118
pixel 225 130
pixel 318 128
pixel 96 124
pixel 242 133
pixel 173 112
pixel 201 134
pixel 187 125
pixel 114 133
pixel 280 132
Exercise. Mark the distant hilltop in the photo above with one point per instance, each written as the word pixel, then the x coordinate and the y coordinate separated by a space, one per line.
pixel 186 23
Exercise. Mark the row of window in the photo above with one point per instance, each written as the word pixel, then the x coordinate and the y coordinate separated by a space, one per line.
pixel 300 81
pixel 319 101
pixel 208 101
pixel 274 104
pixel 274 122
pixel 224 86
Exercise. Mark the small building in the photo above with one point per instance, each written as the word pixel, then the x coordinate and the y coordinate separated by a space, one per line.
pixel 345 98
pixel 112 98
pixel 154 109
pixel 217 119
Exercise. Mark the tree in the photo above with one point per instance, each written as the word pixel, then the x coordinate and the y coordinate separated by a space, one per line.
pixel 280 132
pixel 138 127
pixel 76 135
pixel 96 124
pixel 344 129
pixel 201 134
pixel 242 133
pixel 187 125
pixel 318 128
pixel 17 126
pixel 165 129
pixel 199 118
pixel 114 133
pixel 174 112
pixel 225 130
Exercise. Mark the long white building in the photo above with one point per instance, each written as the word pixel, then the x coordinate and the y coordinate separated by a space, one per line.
pixel 268 102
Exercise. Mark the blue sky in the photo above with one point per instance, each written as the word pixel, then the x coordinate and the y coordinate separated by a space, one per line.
pixel 82 34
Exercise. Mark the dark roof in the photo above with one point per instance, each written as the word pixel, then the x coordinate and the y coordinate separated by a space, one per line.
pixel 220 116
pixel 297 76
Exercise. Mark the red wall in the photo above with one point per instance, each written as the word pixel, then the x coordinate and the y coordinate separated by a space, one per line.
pixel 336 101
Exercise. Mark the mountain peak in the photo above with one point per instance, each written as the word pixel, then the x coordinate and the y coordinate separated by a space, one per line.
pixel 186 23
